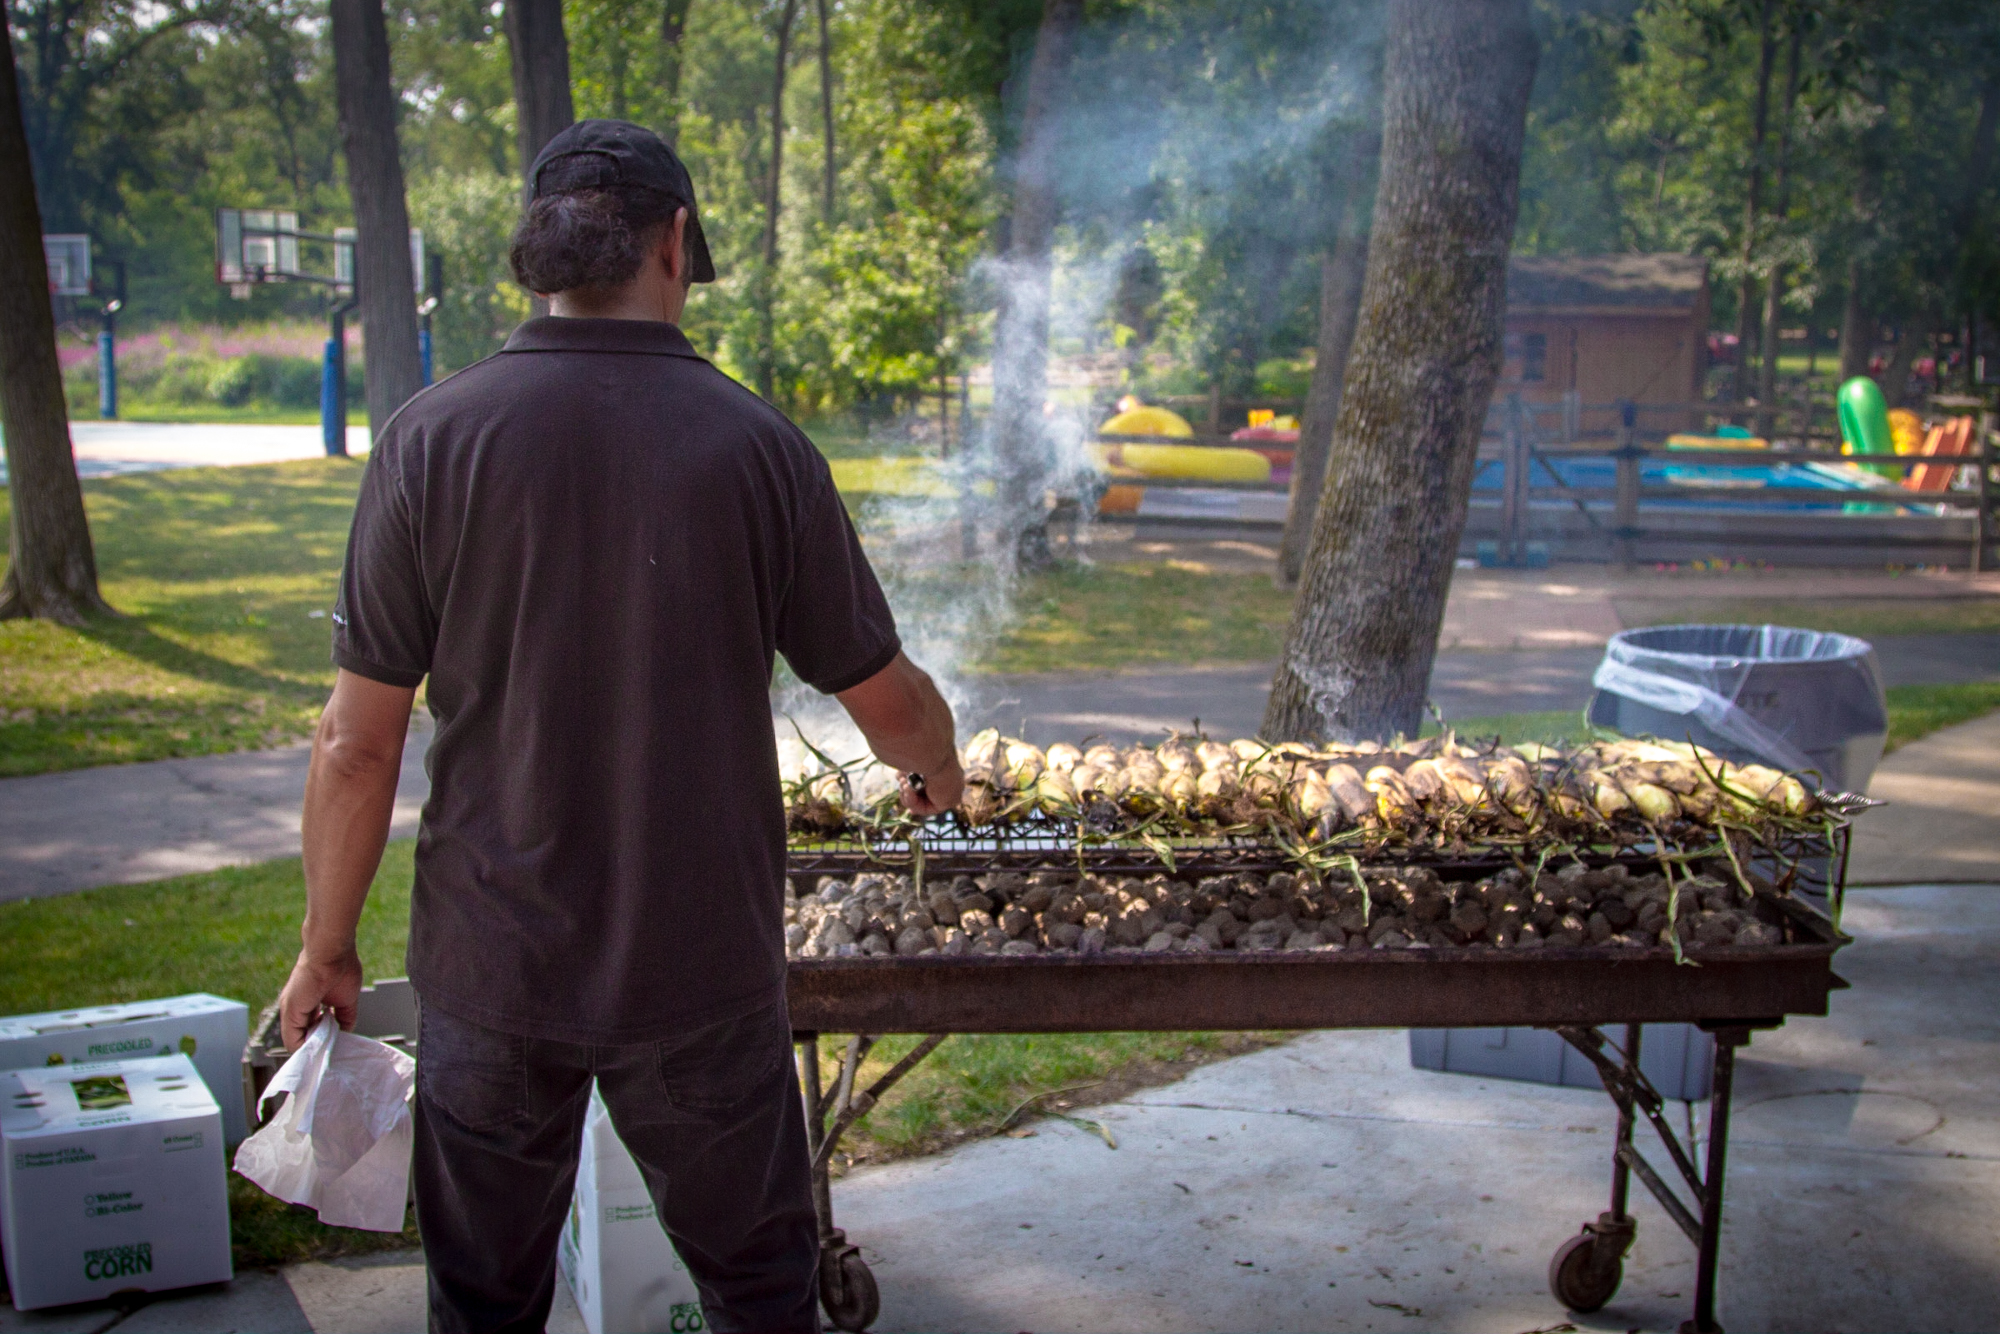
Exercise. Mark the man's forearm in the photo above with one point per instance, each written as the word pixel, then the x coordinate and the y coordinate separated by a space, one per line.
pixel 906 722
pixel 350 799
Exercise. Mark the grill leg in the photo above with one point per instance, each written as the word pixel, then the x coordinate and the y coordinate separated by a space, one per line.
pixel 1727 1040
pixel 847 1289
pixel 1621 1173
pixel 1586 1270
pixel 822 1180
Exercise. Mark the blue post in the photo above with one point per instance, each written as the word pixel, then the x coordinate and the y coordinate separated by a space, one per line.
pixel 107 376
pixel 332 411
pixel 333 382
pixel 424 350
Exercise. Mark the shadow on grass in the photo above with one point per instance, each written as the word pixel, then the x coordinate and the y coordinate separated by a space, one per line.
pixel 133 635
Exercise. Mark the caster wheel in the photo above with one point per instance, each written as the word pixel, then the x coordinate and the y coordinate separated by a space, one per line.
pixel 848 1292
pixel 1576 1282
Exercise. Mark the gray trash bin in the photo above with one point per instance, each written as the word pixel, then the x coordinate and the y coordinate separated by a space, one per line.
pixel 1792 699
pixel 1677 1059
pixel 1805 700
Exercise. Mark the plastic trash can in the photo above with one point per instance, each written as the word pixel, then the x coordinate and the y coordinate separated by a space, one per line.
pixel 1802 700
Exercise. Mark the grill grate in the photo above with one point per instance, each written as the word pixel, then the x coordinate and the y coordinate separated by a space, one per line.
pixel 1043 842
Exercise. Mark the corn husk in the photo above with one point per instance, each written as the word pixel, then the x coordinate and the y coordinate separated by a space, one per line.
pixel 1393 800
pixel 1357 803
pixel 1426 781
pixel 1214 755
pixel 1103 757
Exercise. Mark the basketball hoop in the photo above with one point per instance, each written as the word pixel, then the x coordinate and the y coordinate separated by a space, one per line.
pixel 68 255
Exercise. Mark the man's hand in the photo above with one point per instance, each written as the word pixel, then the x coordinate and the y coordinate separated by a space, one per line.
pixel 314 987
pixel 939 791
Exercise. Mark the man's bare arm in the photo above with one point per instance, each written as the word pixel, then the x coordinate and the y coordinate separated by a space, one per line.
pixel 909 727
pixel 350 796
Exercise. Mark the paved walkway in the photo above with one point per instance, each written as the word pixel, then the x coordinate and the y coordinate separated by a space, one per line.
pixel 103 449
pixel 1943 818
pixel 126 823
pixel 1325 1185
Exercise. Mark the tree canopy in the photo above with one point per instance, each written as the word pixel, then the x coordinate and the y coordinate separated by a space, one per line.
pixel 1199 165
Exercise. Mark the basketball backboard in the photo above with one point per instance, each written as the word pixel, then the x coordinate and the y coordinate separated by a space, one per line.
pixel 343 257
pixel 256 246
pixel 69 264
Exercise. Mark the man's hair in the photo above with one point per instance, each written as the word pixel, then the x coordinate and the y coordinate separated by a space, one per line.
pixel 595 238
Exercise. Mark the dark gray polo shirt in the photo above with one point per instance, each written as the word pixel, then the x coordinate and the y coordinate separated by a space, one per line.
pixel 593 543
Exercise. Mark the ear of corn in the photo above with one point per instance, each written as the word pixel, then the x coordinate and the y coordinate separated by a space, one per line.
pixel 1435 791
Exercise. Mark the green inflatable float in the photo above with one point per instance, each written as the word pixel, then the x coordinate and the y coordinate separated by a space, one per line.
pixel 1864 422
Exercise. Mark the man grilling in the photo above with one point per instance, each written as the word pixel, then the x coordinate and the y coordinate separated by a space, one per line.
pixel 592 544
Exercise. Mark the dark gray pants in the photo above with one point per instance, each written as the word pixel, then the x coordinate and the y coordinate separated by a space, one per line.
pixel 713 1120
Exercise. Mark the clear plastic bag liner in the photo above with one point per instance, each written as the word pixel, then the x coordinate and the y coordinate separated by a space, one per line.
pixel 341 1143
pixel 1699 671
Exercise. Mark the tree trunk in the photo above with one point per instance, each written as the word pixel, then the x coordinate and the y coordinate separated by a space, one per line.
pixel 1857 328
pixel 1774 283
pixel 826 116
pixel 384 283
pixel 1911 341
pixel 673 27
pixel 1341 274
pixel 538 51
pixel 1021 329
pixel 1357 657
pixel 1746 287
pixel 767 315
pixel 53 571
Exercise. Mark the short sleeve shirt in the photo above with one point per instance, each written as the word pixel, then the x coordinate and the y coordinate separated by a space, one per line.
pixel 592 544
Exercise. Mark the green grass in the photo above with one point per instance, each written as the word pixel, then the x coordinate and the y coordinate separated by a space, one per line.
pixel 233 932
pixel 250 414
pixel 977 1084
pixel 218 572
pixel 1105 617
pixel 1866 617
pixel 1917 711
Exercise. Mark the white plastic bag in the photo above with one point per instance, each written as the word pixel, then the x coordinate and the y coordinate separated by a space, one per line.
pixel 341 1144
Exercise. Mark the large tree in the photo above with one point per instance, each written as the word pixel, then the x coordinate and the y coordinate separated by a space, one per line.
pixel 1357 657
pixel 384 282
pixel 767 271
pixel 1021 332
pixel 53 571
pixel 1753 202
pixel 539 53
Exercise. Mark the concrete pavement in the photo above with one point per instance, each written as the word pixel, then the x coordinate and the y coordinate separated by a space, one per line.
pixel 125 823
pixel 1942 822
pixel 1325 1185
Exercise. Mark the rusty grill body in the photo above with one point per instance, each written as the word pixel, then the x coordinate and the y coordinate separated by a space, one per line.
pixel 1576 991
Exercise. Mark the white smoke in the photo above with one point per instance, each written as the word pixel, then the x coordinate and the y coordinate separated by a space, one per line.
pixel 950 576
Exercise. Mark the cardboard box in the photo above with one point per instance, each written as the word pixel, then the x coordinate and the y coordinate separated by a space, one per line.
pixel 209 1029
pixel 113 1180
pixel 614 1255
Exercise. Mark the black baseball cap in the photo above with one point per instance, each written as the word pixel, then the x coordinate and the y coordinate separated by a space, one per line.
pixel 592 154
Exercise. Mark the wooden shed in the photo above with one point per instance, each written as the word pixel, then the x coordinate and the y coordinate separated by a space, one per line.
pixel 1610 327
